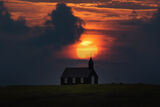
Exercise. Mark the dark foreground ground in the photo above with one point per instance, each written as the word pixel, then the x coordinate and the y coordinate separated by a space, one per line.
pixel 81 96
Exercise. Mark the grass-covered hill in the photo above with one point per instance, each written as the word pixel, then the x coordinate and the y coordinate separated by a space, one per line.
pixel 113 95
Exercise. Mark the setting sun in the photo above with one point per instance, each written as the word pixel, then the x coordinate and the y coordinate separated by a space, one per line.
pixel 86 49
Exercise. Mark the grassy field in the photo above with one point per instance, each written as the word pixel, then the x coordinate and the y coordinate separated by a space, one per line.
pixel 113 95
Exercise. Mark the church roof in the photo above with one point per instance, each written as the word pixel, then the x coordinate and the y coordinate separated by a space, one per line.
pixel 76 72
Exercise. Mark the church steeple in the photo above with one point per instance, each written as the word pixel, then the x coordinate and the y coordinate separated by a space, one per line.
pixel 91 63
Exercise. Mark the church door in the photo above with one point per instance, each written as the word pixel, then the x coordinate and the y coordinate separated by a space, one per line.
pixel 92 79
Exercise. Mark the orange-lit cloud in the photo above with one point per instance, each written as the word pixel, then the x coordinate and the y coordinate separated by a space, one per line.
pixel 90 45
pixel 94 42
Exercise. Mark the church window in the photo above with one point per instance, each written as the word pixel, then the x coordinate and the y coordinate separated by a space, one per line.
pixel 65 80
pixel 74 80
pixel 82 80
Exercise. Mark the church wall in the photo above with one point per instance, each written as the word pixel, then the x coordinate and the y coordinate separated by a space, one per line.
pixel 73 80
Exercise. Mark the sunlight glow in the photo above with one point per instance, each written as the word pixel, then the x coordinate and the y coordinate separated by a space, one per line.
pixel 86 49
pixel 86 43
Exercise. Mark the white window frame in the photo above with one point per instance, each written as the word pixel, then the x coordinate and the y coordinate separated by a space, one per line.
pixel 73 80
pixel 65 80
pixel 82 80
pixel 92 79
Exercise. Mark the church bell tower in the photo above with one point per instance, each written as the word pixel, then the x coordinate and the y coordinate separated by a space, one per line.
pixel 91 63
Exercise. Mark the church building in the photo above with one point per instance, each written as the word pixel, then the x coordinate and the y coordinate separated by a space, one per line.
pixel 80 75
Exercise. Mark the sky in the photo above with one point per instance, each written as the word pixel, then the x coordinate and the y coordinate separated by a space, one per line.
pixel 40 38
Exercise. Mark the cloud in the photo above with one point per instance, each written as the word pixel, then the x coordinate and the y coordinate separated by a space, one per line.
pixel 154 24
pixel 64 28
pixel 125 5
pixel 138 50
pixel 26 55
pixel 8 25
pixel 70 1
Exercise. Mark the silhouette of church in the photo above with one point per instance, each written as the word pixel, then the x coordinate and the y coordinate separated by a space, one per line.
pixel 81 75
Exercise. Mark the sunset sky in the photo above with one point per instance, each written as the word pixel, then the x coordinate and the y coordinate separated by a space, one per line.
pixel 116 35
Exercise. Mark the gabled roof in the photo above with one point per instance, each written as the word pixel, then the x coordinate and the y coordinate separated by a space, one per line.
pixel 76 72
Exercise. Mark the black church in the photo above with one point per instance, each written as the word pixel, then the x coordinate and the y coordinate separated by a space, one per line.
pixel 80 75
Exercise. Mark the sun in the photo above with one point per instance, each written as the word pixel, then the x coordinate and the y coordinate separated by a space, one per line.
pixel 86 49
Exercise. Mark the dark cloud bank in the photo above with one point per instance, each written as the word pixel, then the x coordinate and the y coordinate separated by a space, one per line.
pixel 8 25
pixel 136 53
pixel 26 54
pixel 63 28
